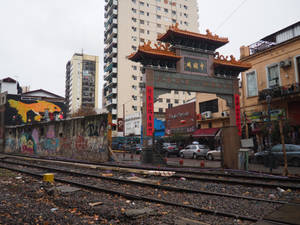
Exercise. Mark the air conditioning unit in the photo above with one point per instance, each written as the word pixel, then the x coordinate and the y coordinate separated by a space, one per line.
pixel 224 114
pixel 206 115
pixel 285 63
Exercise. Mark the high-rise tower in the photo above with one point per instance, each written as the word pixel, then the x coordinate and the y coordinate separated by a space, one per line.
pixel 128 24
pixel 82 82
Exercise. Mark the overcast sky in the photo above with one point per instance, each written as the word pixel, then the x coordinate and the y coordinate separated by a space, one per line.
pixel 38 37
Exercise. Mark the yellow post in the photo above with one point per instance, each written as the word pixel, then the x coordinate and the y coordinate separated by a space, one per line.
pixel 48 177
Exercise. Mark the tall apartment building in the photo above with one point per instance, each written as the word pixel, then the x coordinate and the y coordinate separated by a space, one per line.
pixel 128 24
pixel 82 82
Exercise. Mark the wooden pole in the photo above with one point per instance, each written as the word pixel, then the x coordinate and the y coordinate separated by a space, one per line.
pixel 285 173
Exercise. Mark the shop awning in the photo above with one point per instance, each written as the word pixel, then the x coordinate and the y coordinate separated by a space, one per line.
pixel 205 132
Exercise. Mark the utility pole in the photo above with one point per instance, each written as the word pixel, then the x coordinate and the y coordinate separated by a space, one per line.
pixel 285 173
pixel 123 120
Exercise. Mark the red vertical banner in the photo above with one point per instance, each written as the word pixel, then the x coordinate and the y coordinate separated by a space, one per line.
pixel 150 110
pixel 238 113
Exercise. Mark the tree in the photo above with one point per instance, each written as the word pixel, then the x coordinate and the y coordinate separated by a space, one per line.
pixel 84 111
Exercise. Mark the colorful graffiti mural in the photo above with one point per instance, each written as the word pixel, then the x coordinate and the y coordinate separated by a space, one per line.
pixel 27 144
pixel 19 111
pixel 80 140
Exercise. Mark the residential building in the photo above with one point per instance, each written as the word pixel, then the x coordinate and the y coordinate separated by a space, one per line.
pixel 129 24
pixel 10 86
pixel 212 111
pixel 82 78
pixel 270 89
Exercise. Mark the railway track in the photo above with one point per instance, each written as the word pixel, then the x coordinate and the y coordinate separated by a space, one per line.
pixel 191 199
pixel 201 176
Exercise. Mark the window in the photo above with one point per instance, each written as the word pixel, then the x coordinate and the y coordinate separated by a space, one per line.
pixel 173 12
pixel 148 14
pixel 133 19
pixel 273 75
pixel 186 23
pixel 148 32
pixel 211 105
pixel 161 110
pixel 133 38
pixel 133 47
pixel 176 101
pixel 134 77
pixel 133 29
pixel 142 40
pixel 168 100
pixel 142 3
pixel 166 10
pixel 142 21
pixel 160 100
pixel 185 7
pixel 176 92
pixel 133 10
pixel 134 97
pixel 142 12
pixel 173 21
pixel 297 65
pixel 158 8
pixel 158 17
pixel 134 1
pixel 158 25
pixel 134 87
pixel 142 31
pixel 251 84
pixel 170 106
pixel 134 107
pixel 134 67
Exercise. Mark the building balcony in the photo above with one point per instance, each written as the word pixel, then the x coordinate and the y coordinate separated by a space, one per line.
pixel 112 101
pixel 110 3
pixel 280 92
pixel 114 111
pixel 108 74
pixel 111 12
pixel 110 44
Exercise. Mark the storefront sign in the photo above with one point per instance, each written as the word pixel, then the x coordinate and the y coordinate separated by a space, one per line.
pixel 150 111
pixel 120 125
pixel 238 113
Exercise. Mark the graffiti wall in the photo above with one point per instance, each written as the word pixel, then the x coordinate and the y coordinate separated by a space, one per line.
pixel 83 138
pixel 19 111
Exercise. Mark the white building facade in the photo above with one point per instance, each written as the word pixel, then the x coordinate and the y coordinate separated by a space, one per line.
pixel 82 78
pixel 129 24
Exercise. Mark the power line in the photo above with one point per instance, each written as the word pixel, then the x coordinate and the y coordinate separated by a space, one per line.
pixel 230 15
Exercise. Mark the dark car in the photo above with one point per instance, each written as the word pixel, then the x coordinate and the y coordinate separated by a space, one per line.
pixel 169 149
pixel 276 153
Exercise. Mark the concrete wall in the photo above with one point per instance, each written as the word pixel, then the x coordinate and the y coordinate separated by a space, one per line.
pixel 83 138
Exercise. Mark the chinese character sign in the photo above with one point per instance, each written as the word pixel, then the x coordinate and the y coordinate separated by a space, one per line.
pixel 195 65
pixel 238 113
pixel 150 111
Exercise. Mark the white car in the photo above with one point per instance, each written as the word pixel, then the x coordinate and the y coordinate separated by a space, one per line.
pixel 194 151
pixel 214 154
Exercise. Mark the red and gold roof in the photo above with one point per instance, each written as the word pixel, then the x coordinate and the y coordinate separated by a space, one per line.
pixel 160 50
pixel 174 31
pixel 221 61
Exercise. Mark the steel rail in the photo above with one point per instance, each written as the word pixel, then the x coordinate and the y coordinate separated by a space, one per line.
pixel 187 175
pixel 163 187
pixel 139 197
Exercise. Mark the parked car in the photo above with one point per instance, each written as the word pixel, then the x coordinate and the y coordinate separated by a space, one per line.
pixel 194 151
pixel 169 149
pixel 292 153
pixel 214 154
pixel 138 148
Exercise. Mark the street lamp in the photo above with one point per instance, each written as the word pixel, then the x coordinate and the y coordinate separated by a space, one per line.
pixel 268 100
